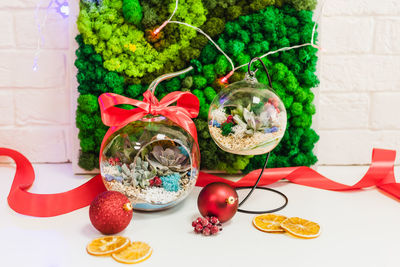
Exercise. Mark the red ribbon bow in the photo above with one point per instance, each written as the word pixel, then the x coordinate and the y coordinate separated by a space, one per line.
pixel 187 107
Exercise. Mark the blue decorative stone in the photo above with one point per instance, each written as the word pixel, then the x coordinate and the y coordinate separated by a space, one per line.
pixel 171 182
pixel 109 178
pixel 271 130
pixel 215 123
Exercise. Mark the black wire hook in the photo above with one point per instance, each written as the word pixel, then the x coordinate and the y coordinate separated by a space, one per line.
pixel 252 73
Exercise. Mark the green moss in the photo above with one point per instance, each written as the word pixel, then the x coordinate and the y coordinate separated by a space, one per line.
pixel 106 65
pixel 134 90
pixel 187 82
pixel 199 82
pixel 226 128
pixel 209 93
pixel 132 11
pixel 88 161
pixel 88 103
pixel 115 32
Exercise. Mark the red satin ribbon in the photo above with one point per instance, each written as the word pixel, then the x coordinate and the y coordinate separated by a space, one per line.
pixel 187 107
pixel 46 205
pixel 380 174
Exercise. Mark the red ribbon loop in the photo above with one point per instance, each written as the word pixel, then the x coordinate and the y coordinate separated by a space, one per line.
pixel 46 205
pixel 186 108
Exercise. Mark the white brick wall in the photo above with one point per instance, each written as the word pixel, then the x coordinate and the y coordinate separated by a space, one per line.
pixel 34 106
pixel 358 99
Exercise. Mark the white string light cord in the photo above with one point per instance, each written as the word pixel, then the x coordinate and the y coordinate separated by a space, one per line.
pixel 274 52
pixel 62 8
pixel 40 27
pixel 168 20
pixel 225 78
pixel 200 31
pixel 197 29
pixel 318 18
pixel 209 38
pixel 311 43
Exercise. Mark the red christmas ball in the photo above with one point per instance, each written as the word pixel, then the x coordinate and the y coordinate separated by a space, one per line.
pixel 110 212
pixel 219 200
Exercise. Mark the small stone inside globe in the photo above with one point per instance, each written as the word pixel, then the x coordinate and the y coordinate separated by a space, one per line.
pixel 247 118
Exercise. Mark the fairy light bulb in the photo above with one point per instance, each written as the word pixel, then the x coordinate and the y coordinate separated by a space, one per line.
pixel 226 77
pixel 63 9
pixel 157 31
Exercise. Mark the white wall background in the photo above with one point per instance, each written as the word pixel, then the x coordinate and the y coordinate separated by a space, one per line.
pixel 358 99
pixel 34 106
pixel 359 95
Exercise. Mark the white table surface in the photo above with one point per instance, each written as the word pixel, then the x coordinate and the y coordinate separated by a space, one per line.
pixel 359 228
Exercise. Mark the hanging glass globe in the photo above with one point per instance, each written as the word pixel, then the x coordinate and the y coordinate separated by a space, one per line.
pixel 153 161
pixel 247 118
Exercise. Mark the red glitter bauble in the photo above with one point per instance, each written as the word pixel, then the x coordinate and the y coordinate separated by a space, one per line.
pixel 219 200
pixel 110 212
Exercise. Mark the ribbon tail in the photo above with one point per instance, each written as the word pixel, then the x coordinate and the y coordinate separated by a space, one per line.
pixel 46 205
pixel 379 174
pixel 392 189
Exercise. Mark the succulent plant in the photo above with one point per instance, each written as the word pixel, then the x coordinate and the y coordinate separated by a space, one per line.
pixel 170 159
pixel 143 173
pixel 238 111
pixel 252 122
pixel 239 130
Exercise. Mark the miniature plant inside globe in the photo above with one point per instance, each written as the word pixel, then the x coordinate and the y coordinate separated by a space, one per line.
pixel 155 164
pixel 247 118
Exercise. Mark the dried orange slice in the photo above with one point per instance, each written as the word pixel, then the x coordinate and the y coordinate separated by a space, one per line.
pixel 107 245
pixel 269 223
pixel 134 253
pixel 301 228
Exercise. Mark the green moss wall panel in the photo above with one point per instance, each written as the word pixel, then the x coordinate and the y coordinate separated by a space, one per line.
pixel 117 53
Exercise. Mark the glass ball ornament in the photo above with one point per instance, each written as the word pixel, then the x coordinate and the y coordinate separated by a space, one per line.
pixel 247 118
pixel 153 161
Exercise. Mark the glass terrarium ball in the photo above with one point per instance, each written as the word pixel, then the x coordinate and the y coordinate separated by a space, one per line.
pixel 154 162
pixel 247 118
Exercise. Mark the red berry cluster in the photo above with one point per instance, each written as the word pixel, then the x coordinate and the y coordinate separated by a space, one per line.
pixel 207 225
pixel 156 181
pixel 114 161
pixel 229 119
